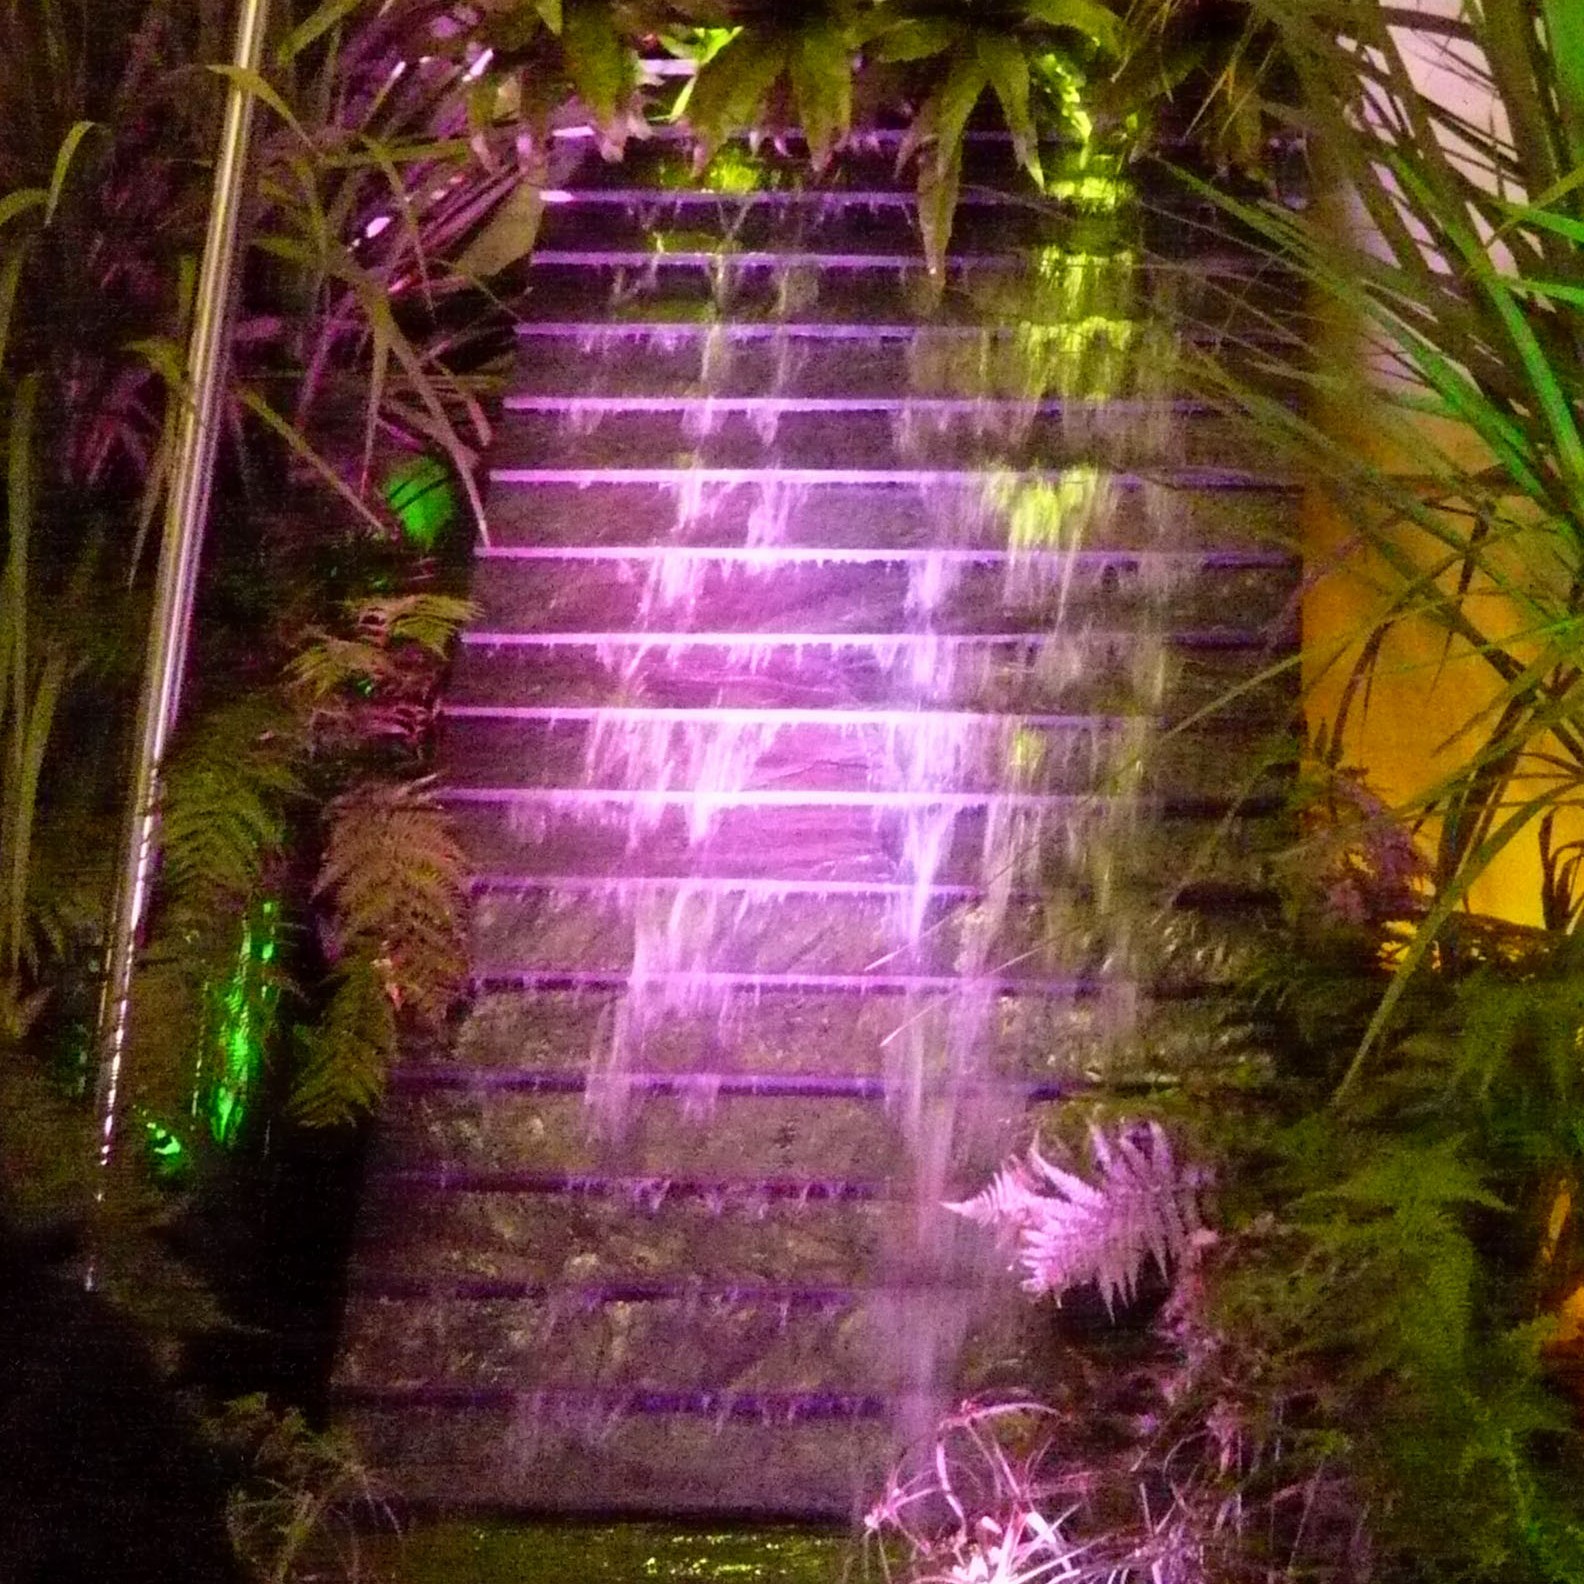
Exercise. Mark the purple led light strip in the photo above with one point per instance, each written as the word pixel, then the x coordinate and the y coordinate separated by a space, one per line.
pixel 802 329
pixel 476 1289
pixel 1230 265
pixel 760 638
pixel 745 1086
pixel 795 405
pixel 842 555
pixel 774 798
pixel 724 885
pixel 1074 989
pixel 755 1406
pixel 720 714
pixel 655 1186
pixel 1181 478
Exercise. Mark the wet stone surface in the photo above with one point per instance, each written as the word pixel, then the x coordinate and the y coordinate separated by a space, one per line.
pixel 814 752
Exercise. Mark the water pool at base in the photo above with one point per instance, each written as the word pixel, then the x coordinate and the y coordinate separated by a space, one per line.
pixel 500 1552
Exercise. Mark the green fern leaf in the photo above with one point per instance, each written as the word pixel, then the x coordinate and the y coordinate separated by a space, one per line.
pixel 225 794
pixel 343 1062
pixel 397 880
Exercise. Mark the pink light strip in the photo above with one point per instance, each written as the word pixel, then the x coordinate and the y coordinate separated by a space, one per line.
pixel 949 985
pixel 1184 478
pixel 1229 266
pixel 758 638
pixel 764 555
pixel 716 714
pixel 972 405
pixel 723 885
pixel 776 797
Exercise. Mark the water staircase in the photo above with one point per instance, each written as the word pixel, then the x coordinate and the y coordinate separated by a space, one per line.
pixel 820 751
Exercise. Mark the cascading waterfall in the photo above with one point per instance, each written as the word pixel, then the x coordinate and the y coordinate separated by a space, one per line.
pixel 807 748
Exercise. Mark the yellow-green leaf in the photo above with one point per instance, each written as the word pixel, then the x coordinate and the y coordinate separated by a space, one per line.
pixel 20 201
pixel 730 88
pixel 597 59
pixel 916 39
pixel 63 163
pixel 1094 21
pixel 256 84
pixel 938 187
pixel 820 66
pixel 331 14
pixel 1008 70
pixel 954 102
pixel 509 236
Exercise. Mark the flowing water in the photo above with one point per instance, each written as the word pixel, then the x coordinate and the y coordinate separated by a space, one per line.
pixel 809 749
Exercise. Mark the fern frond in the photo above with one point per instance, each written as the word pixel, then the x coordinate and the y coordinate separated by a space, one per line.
pixel 343 1062
pixel 222 814
pixel 1141 1207
pixel 431 621
pixel 330 664
pixel 398 882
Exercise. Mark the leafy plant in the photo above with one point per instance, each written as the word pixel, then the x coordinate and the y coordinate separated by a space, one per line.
pixel 1464 518
pixel 300 1512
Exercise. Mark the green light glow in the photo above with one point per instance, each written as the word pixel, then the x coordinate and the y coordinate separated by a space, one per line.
pixel 1048 514
pixel 241 1013
pixel 1079 331
pixel 165 1149
pixel 733 170
pixel 1096 194
pixel 420 493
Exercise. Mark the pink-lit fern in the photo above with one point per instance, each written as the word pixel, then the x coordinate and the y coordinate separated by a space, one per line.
pixel 1140 1207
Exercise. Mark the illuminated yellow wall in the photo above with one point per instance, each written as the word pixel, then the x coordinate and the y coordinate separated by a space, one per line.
pixel 1423 694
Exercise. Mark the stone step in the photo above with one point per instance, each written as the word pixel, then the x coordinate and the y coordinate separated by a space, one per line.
pixel 756 753
pixel 512 1036
pixel 874 219
pixel 1084 508
pixel 505 1450
pixel 640 1228
pixel 788 1135
pixel 522 836
pixel 684 945
pixel 1226 297
pixel 663 163
pixel 1111 672
pixel 842 1343
pixel 1112 436
pixel 765 594
pixel 1121 357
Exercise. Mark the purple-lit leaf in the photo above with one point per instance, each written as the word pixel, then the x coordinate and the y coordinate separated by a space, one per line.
pixel 1141 1207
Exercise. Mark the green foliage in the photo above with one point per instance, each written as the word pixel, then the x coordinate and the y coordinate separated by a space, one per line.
pixel 1466 301
pixel 224 807
pixel 302 1508
pixel 1392 1257
pixel 397 879
pixel 341 1062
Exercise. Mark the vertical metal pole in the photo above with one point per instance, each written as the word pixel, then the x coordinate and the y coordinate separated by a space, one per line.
pixel 186 511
